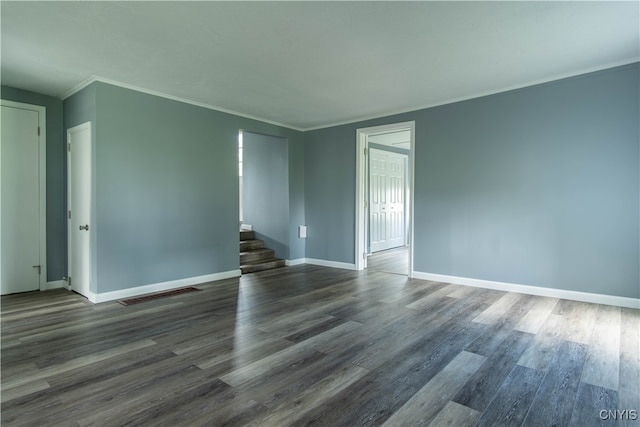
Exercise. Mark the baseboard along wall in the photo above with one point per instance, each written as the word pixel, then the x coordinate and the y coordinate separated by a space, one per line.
pixel 159 287
pixel 532 290
pixel 478 283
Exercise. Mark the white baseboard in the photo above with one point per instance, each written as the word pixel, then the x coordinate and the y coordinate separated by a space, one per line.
pixel 56 284
pixel 533 290
pixel 292 262
pixel 159 287
pixel 332 264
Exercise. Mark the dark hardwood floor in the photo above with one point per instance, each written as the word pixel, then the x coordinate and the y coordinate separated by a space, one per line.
pixel 310 345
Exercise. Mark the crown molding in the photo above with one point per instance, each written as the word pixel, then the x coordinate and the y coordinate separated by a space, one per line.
pixel 548 80
pixel 94 79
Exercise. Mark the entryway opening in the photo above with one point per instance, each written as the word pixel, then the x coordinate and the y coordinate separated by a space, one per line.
pixel 384 218
pixel 263 163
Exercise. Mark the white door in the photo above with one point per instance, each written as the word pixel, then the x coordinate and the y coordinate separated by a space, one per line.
pixel 22 233
pixel 387 187
pixel 79 207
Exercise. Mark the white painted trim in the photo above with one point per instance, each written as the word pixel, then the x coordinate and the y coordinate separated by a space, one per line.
pixel 362 146
pixel 533 290
pixel 332 264
pixel 361 218
pixel 159 287
pixel 77 88
pixel 412 196
pixel 42 184
pixel 56 284
pixel 93 79
pixel 292 262
pixel 477 95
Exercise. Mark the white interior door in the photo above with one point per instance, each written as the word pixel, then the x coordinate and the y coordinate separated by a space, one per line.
pixel 22 231
pixel 79 205
pixel 387 199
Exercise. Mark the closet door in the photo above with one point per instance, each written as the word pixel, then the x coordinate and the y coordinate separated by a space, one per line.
pixel 21 231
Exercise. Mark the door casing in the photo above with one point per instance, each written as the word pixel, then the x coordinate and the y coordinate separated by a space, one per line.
pixel 362 196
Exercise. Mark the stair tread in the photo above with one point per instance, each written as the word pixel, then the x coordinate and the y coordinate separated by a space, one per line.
pixel 247 235
pixel 254 256
pixel 249 245
pixel 256 251
pixel 262 261
pixel 255 266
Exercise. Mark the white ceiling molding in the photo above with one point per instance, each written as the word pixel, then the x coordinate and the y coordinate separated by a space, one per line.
pixel 93 79
pixel 79 87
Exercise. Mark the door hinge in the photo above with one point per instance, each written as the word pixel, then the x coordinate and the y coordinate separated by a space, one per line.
pixel 68 146
pixel 69 215
pixel 38 130
pixel 365 151
pixel 69 281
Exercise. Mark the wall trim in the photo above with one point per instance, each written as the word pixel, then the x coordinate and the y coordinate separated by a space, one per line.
pixel 292 262
pixel 533 290
pixel 55 284
pixel 94 78
pixel 158 287
pixel 332 264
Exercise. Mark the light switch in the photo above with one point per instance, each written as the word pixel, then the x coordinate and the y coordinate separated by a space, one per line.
pixel 302 231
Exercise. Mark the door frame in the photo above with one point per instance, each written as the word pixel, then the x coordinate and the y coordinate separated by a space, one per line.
pixel 42 184
pixel 91 231
pixel 362 198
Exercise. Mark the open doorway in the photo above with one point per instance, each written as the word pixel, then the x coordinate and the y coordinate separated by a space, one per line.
pixel 265 189
pixel 384 218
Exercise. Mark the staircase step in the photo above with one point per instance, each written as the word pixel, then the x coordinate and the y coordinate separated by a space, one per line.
pixel 254 255
pixel 262 265
pixel 247 245
pixel 247 235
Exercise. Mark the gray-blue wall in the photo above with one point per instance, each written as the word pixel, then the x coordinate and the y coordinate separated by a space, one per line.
pixel 330 185
pixel 56 178
pixel 266 191
pixel 166 186
pixel 537 186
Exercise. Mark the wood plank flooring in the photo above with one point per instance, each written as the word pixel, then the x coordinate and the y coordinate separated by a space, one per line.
pixel 310 345
pixel 394 260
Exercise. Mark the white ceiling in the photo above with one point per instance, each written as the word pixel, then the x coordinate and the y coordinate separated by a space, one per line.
pixel 313 64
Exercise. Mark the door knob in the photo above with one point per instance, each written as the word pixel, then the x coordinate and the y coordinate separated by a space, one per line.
pixel 84 227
